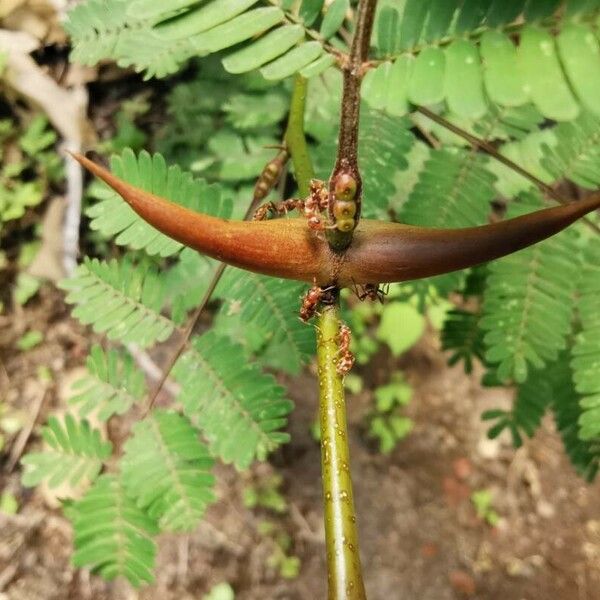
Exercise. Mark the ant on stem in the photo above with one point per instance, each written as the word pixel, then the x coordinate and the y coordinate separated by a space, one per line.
pixel 346 360
pixel 372 291
pixel 311 300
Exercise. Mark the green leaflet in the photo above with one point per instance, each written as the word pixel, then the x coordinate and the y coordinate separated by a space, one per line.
pixel 112 386
pixel 386 87
pixel 439 19
pixel 544 77
pixel 76 453
pixel 145 50
pixel 292 61
pixel 426 84
pixel 464 86
pixel 166 469
pixel 386 28
pixel 265 49
pixel 157 10
pixel 334 18
pixel 413 19
pixel 205 17
pixel 580 55
pixel 503 82
pixel 310 10
pixel 239 409
pixel 119 299
pixel 111 534
pixel 471 14
pixel 318 66
pixel 239 29
pixel 504 11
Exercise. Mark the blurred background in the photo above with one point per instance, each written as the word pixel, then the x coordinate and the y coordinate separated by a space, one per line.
pixel 444 511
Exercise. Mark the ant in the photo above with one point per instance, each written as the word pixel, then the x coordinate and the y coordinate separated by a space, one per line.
pixel 311 300
pixel 346 360
pixel 277 208
pixel 372 291
pixel 317 201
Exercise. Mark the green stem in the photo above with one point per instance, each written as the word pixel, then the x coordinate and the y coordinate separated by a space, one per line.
pixel 295 138
pixel 343 560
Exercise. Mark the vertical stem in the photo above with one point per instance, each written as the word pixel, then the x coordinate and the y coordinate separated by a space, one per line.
pixel 343 560
pixel 346 163
pixel 295 138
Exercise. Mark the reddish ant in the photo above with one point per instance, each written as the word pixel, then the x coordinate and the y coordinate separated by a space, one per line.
pixel 346 360
pixel 311 300
pixel 317 201
pixel 277 208
pixel 372 291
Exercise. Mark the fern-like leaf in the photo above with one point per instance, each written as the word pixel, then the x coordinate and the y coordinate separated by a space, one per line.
pixel 462 336
pixel 584 454
pixel 565 151
pixel 167 470
pixel 454 190
pixel 158 38
pixel 76 452
pixel 575 153
pixel 586 350
pixel 119 299
pixel 267 310
pixel 96 27
pixel 113 217
pixel 113 384
pixel 239 409
pixel 528 302
pixel 550 388
pixel 558 73
pixel 112 535
pixel 530 403
pixel 124 31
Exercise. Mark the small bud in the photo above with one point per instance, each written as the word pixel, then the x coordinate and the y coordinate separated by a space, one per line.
pixel 345 187
pixel 345 224
pixel 344 209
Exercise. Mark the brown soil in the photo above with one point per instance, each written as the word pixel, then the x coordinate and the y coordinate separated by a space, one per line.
pixel 421 538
